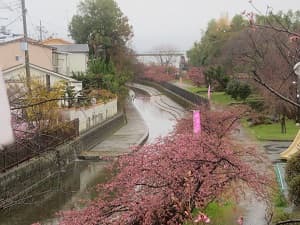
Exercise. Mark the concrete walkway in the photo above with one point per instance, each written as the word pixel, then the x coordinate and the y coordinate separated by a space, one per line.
pixel 134 133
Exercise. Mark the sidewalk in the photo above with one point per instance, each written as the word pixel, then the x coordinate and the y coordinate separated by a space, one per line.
pixel 134 133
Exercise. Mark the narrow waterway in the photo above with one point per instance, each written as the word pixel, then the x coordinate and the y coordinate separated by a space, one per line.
pixel 66 189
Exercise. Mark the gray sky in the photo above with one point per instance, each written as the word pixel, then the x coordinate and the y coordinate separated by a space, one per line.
pixel 155 22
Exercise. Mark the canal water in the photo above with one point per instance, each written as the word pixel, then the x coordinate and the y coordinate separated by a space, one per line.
pixel 67 189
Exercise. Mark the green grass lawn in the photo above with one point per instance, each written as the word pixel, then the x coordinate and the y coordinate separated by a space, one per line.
pixel 198 90
pixel 261 132
pixel 223 99
pixel 273 131
pixel 216 97
pixel 219 213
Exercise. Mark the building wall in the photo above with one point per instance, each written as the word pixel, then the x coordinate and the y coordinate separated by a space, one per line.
pixel 91 116
pixel 77 62
pixel 38 55
pixel 61 63
pixel 66 63
pixel 17 75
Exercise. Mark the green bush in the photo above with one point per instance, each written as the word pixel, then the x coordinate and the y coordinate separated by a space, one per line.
pixel 280 215
pixel 244 91
pixel 293 178
pixel 217 75
pixel 238 90
pixel 257 105
pixel 232 89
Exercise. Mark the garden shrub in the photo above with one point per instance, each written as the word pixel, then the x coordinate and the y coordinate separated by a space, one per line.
pixel 293 178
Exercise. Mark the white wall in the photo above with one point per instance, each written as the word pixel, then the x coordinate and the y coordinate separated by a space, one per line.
pixel 18 74
pixel 71 62
pixel 91 116
pixel 77 62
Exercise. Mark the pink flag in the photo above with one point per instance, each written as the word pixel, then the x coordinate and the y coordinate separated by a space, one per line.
pixel 197 121
pixel 208 92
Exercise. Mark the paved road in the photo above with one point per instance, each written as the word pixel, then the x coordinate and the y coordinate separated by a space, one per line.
pixel 133 133
pixel 273 150
pixel 136 131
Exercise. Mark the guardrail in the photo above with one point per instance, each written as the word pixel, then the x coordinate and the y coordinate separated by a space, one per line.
pixel 26 149
pixel 195 99
pixel 191 97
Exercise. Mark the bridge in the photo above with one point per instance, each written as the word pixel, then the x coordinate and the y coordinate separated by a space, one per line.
pixel 174 58
pixel 162 53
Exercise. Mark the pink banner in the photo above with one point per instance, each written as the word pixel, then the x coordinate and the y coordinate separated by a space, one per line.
pixel 208 92
pixel 197 121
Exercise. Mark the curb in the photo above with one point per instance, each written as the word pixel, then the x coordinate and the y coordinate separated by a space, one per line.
pixel 139 143
pixel 143 139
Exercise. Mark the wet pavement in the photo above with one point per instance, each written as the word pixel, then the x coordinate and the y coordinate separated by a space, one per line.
pixel 133 133
pixel 273 150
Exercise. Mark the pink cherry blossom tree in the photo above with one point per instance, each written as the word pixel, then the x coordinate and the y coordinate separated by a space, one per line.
pixel 196 74
pixel 163 183
pixel 158 73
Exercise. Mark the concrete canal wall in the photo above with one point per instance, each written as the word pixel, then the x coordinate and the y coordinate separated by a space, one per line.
pixel 16 183
pixel 184 98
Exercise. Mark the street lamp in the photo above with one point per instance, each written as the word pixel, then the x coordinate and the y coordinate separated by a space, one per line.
pixel 297 72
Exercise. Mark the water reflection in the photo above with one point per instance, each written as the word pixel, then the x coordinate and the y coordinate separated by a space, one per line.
pixel 62 191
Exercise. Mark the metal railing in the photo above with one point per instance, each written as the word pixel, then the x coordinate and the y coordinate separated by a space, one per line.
pixel 195 99
pixel 26 149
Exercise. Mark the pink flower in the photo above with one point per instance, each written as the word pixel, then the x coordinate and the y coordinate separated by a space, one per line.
pixel 202 218
pixel 240 220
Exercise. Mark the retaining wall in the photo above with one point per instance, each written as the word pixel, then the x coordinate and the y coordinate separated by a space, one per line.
pixel 179 95
pixel 16 183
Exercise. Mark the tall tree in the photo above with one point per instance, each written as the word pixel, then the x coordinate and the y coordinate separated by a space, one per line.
pixel 209 47
pixel 102 25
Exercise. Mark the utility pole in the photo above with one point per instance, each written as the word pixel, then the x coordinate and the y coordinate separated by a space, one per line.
pixel 27 67
pixel 41 31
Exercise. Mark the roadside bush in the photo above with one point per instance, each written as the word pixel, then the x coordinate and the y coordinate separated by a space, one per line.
pixel 257 105
pixel 293 178
pixel 238 90
pixel 244 91
pixel 216 75
pixel 258 119
pixel 232 88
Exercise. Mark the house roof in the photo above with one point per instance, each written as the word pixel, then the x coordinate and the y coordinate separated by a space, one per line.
pixel 50 72
pixel 29 40
pixel 55 41
pixel 72 48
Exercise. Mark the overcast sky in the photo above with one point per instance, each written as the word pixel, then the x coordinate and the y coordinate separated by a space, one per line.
pixel 155 22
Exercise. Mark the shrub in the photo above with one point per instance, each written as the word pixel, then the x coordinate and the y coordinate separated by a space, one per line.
pixel 232 89
pixel 244 91
pixel 293 178
pixel 237 89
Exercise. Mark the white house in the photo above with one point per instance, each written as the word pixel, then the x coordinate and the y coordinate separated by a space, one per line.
pixel 15 75
pixel 70 58
pixel 41 58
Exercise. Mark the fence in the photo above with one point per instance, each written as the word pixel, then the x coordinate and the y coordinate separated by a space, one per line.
pixel 196 99
pixel 45 141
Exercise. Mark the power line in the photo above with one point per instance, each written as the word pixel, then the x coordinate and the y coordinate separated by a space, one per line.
pixel 13 21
